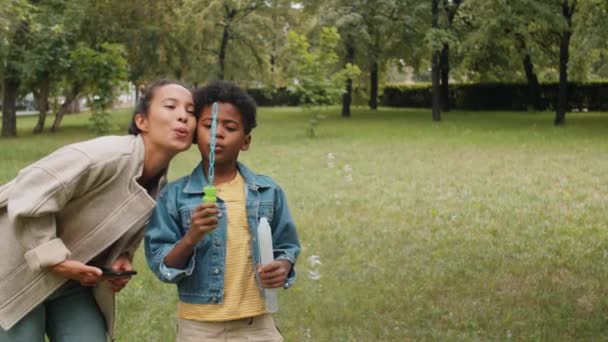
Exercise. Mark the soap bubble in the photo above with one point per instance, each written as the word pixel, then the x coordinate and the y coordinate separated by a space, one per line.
pixel 331 159
pixel 314 262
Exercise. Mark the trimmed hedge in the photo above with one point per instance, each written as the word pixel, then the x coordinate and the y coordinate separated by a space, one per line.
pixel 498 96
pixel 277 97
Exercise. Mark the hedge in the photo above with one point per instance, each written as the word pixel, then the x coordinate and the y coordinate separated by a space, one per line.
pixel 498 96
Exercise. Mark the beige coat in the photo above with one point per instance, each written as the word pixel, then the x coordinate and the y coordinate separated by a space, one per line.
pixel 75 203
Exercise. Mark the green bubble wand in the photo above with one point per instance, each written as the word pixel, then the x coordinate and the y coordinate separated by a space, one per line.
pixel 209 190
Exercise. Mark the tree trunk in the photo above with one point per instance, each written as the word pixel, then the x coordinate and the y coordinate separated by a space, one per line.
pixel 12 81
pixel 435 66
pixel 373 94
pixel 533 85
pixel 42 102
pixel 534 99
pixel 348 94
pixel 230 14
pixel 9 105
pixel 564 55
pixel 222 53
pixel 64 108
pixel 444 63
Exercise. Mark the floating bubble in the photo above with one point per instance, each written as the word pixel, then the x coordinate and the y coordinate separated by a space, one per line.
pixel 314 275
pixel 307 333
pixel 314 262
pixel 331 158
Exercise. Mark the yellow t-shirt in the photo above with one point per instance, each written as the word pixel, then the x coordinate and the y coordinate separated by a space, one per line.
pixel 242 296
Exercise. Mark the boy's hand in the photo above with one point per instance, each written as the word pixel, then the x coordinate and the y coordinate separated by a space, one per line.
pixel 273 275
pixel 204 219
pixel 75 270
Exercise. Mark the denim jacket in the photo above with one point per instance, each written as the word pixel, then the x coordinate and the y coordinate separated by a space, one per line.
pixel 202 280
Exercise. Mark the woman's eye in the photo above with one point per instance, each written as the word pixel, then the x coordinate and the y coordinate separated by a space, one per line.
pixel 169 106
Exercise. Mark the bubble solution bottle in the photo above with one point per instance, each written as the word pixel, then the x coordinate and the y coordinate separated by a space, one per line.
pixel 209 194
pixel 267 256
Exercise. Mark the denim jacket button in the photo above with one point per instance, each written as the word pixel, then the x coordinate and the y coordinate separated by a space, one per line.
pixel 218 242
pixel 216 271
pixel 214 299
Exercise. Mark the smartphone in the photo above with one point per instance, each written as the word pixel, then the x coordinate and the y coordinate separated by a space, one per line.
pixel 108 272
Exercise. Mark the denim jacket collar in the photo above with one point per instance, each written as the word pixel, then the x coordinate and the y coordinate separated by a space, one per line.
pixel 197 180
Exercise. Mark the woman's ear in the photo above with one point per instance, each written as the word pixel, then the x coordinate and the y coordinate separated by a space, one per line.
pixel 141 121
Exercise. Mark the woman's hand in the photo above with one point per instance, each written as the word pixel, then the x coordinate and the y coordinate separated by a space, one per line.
pixel 75 270
pixel 273 275
pixel 123 263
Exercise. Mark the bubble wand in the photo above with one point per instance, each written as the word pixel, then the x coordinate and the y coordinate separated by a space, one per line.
pixel 209 190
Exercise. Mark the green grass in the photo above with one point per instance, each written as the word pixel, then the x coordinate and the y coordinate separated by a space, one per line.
pixel 486 226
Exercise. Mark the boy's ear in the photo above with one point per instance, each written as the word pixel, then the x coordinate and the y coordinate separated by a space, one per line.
pixel 141 122
pixel 246 143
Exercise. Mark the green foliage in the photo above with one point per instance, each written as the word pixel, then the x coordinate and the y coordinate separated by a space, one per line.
pixel 316 79
pixel 98 73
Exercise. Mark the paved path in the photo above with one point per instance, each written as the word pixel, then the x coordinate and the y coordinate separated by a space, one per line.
pixel 24 113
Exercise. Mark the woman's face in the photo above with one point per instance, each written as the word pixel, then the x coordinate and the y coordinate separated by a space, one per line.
pixel 170 122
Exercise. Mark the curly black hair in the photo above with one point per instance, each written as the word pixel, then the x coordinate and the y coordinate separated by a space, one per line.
pixel 227 92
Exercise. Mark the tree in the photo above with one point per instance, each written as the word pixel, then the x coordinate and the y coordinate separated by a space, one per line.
pixel 47 53
pixel 450 8
pixel 11 77
pixel 435 66
pixel 313 70
pixel 94 73
pixel 374 33
pixel 568 9
pixel 230 37
pixel 499 33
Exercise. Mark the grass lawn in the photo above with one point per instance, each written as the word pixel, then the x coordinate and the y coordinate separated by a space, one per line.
pixel 486 226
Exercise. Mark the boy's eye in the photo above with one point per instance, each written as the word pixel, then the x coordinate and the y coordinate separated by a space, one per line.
pixel 170 106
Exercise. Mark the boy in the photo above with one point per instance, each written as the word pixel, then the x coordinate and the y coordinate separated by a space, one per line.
pixel 210 250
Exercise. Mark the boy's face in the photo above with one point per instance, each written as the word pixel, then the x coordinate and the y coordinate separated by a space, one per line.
pixel 230 135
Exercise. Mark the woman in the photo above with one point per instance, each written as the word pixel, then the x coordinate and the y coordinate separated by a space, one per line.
pixel 81 208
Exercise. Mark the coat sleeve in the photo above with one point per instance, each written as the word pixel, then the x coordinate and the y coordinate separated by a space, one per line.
pixel 38 193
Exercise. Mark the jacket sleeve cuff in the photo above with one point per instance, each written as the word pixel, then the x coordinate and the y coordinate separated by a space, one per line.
pixel 47 254
pixel 173 275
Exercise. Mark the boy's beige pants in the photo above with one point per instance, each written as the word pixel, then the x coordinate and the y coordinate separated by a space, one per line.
pixel 259 328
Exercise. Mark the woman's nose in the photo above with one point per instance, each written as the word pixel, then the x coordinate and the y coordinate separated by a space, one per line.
pixel 182 115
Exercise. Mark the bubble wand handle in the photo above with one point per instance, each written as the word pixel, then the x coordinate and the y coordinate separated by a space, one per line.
pixel 271 296
pixel 209 190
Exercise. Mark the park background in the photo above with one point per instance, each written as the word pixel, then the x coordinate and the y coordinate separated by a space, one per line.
pixel 444 160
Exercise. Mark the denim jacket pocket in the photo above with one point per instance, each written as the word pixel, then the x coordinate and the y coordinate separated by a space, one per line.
pixel 266 209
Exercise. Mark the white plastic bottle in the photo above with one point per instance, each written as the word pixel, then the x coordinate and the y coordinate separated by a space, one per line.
pixel 267 256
